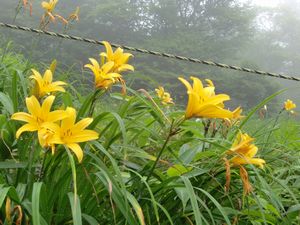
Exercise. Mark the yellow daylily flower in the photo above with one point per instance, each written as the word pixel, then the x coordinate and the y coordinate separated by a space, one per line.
pixel 70 133
pixel 289 105
pixel 164 96
pixel 104 78
pixel 49 14
pixel 119 58
pixel 49 6
pixel 244 151
pixel 37 115
pixel 203 102
pixel 44 85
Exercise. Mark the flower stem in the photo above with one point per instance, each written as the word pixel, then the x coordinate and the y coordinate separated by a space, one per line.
pixel 275 122
pixel 41 172
pixel 97 93
pixel 171 133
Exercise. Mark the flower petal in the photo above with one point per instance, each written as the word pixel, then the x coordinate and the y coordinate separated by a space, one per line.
pixel 22 116
pixel 83 136
pixel 27 127
pixel 69 121
pixel 56 115
pixel 33 106
pixel 109 50
pixel 77 151
pixel 46 106
pixel 82 124
pixel 48 77
pixel 125 67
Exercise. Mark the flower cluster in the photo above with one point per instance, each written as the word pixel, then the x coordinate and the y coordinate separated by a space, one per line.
pixel 56 126
pixel 108 71
pixel 50 16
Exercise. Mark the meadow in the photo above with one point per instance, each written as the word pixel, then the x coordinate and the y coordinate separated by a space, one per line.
pixel 101 152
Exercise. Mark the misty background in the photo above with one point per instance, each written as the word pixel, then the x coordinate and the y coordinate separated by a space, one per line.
pixel 236 32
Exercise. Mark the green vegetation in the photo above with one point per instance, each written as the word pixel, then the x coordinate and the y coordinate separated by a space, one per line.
pixel 78 150
pixel 121 180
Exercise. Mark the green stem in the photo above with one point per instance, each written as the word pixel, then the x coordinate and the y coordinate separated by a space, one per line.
pixel 73 168
pixel 30 163
pixel 269 135
pixel 171 133
pixel 206 128
pixel 18 8
pixel 97 94
pixel 41 172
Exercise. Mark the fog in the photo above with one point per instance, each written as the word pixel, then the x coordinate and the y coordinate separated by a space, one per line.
pixel 243 33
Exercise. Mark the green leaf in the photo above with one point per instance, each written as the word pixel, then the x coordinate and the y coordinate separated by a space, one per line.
pixel 36 203
pixel 91 220
pixel 137 208
pixel 14 91
pixel 192 196
pixel 3 194
pixel 178 170
pixel 67 99
pixel 217 204
pixel 7 103
pixel 12 165
pixel 76 210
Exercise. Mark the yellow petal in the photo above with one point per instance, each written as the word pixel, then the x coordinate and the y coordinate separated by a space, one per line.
pixel 27 127
pixel 83 136
pixel 122 58
pixel 59 83
pixel 77 151
pixel 197 85
pixel 245 160
pixel 186 83
pixel 46 106
pixel 69 121
pixel 107 67
pixel 212 111
pixel 125 67
pixel 209 83
pixel 37 76
pixel 22 116
pixel 55 88
pixel 109 50
pixel 82 124
pixel 33 106
pixel 46 5
pixel 252 151
pixel 217 99
pixel 56 115
pixel 193 103
pixel 48 77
